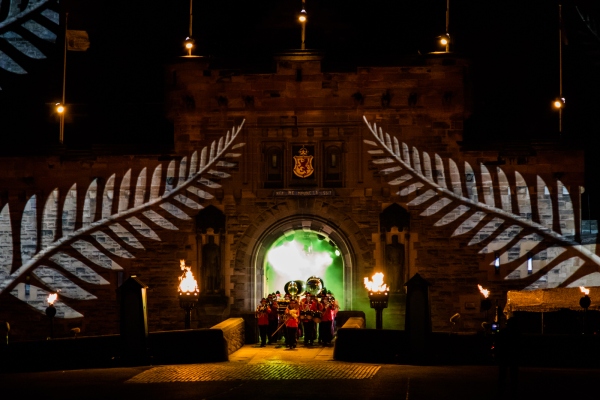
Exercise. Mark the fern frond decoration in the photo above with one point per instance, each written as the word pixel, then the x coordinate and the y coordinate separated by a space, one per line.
pixel 450 195
pixel 28 33
pixel 57 264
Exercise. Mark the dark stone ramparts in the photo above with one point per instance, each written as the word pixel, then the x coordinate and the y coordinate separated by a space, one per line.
pixel 165 347
pixel 354 323
pixel 343 316
pixel 531 350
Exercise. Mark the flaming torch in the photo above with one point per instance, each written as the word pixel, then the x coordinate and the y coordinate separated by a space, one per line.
pixel 378 296
pixel 51 312
pixel 585 302
pixel 188 292
pixel 486 303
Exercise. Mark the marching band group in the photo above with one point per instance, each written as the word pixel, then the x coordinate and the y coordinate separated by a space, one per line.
pixel 311 317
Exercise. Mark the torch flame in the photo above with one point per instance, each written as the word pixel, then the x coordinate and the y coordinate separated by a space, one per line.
pixel 483 291
pixel 584 290
pixel 187 283
pixel 376 285
pixel 52 298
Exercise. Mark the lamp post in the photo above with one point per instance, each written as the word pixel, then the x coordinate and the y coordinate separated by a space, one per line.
pixel 188 292
pixel 189 42
pixel 51 312
pixel 445 39
pixel 378 297
pixel 559 102
pixel 302 17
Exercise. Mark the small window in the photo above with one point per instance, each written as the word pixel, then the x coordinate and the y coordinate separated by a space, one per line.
pixel 332 173
pixel 273 167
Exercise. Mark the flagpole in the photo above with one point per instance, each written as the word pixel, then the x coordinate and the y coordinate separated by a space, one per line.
pixel 191 15
pixel 62 115
pixel 447 25
pixel 560 66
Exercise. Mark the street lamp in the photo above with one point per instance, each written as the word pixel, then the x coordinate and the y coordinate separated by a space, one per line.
pixel 378 296
pixel 302 18
pixel 445 41
pixel 60 110
pixel 558 103
pixel 189 45
pixel 51 312
pixel 188 292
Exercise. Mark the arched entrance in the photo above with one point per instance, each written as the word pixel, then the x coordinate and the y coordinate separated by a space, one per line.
pixel 299 255
pixel 298 247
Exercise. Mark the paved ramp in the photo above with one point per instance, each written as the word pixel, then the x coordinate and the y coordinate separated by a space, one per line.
pixel 245 372
pixel 253 362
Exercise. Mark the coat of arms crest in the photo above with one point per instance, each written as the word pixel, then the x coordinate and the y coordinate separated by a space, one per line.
pixel 303 167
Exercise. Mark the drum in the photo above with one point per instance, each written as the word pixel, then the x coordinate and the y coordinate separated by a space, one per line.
pixel 306 315
pixel 317 316
pixel 281 306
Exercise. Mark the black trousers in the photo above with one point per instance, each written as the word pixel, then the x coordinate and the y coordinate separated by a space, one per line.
pixel 326 331
pixel 263 330
pixel 273 325
pixel 291 336
pixel 310 332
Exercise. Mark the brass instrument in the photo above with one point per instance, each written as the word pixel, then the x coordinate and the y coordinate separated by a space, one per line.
pixel 261 309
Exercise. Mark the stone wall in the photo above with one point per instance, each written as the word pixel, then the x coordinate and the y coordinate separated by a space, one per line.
pixel 422 104
pixel 233 332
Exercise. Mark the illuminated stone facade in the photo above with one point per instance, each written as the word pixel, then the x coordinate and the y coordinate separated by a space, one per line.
pixel 424 104
pixel 405 199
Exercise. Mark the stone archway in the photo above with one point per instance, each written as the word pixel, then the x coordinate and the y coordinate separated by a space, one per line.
pixel 296 226
pixel 337 227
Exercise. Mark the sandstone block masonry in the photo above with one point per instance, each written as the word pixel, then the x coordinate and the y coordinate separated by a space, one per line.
pixel 509 199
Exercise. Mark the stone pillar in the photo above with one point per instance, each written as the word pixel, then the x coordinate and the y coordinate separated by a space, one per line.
pixel 4 331
pixel 418 318
pixel 134 321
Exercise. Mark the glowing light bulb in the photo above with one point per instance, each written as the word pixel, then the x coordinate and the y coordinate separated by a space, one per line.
pixel 302 17
pixel 559 103
pixel 189 44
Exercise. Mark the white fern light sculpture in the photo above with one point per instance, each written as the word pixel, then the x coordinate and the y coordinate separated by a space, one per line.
pixel 513 236
pixel 26 29
pixel 160 201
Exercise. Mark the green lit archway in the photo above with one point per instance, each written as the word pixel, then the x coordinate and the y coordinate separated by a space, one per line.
pixel 298 255
pixel 298 247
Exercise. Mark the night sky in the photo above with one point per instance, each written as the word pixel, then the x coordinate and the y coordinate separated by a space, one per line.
pixel 117 85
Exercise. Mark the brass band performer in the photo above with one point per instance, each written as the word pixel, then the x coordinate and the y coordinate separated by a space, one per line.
pixel 329 311
pixel 291 324
pixel 308 307
pixel 273 318
pixel 262 313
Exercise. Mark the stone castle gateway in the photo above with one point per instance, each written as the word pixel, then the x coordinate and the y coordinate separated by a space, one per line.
pixel 392 189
